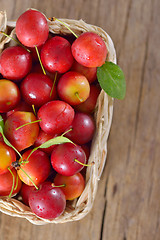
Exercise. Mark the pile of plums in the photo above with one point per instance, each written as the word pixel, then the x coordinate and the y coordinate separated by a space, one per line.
pixel 48 88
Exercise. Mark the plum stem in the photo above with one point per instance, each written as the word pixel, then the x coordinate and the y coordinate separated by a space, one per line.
pixel 29 178
pixel 53 19
pixel 39 120
pixel 12 189
pixel 86 165
pixel 77 95
pixel 5 34
pixel 67 132
pixel 34 111
pixel 55 78
pixel 62 185
pixel 40 60
pixel 23 162
pixel 16 182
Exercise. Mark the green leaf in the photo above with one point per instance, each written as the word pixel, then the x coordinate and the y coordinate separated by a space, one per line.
pixel 1 122
pixel 56 140
pixel 111 79
pixel 53 141
pixel 8 143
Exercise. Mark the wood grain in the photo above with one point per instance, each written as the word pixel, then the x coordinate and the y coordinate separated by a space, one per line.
pixel 127 206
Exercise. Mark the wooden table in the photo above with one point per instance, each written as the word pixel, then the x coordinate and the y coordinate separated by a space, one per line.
pixel 127 206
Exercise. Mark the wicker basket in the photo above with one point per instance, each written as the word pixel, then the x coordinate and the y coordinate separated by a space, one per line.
pixel 103 117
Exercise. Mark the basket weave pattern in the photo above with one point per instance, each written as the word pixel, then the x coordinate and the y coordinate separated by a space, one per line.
pixel 103 117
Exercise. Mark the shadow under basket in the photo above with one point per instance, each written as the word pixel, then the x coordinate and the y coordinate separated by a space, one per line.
pixel 80 207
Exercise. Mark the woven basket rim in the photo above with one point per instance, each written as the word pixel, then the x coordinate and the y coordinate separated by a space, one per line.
pixel 103 117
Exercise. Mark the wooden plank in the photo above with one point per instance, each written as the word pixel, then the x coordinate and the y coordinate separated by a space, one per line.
pixel 134 177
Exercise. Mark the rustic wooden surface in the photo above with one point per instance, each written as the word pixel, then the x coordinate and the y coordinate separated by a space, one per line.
pixel 127 206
